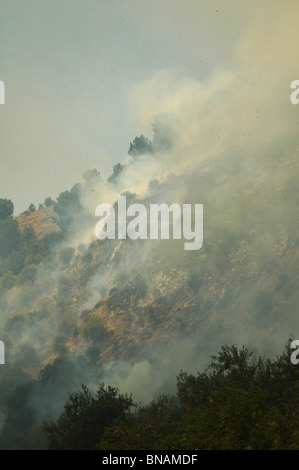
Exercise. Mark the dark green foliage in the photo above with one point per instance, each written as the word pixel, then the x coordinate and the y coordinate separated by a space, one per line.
pixel 50 240
pixel 11 377
pixel 26 357
pixel 195 283
pixel 140 285
pixel 33 249
pixel 162 408
pixel 49 202
pixel 25 402
pixel 20 430
pixel 153 426
pixel 14 262
pixel 93 329
pixel 117 170
pixel 240 402
pixel 9 236
pixel 130 197
pixel 84 418
pixel 93 353
pixel 21 414
pixel 140 145
pixel 68 199
pixel 28 234
pixel 31 208
pixel 6 208
pixel 68 323
pixel 91 176
pixel 20 249
pixel 67 206
pixel 56 379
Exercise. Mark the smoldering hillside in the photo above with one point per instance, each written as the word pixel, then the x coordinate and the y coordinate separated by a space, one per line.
pixel 133 313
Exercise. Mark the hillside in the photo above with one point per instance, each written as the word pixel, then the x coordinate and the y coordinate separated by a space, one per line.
pixel 42 221
pixel 134 313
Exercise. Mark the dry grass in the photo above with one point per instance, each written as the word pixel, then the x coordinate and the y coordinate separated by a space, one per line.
pixel 41 220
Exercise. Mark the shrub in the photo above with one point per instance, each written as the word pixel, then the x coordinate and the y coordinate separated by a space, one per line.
pixel 93 328
pixel 6 208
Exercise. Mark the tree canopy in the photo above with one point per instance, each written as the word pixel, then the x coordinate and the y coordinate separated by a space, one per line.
pixel 6 208
pixel 239 402
pixel 85 417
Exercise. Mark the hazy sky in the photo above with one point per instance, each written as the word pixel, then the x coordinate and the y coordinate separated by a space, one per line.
pixel 70 69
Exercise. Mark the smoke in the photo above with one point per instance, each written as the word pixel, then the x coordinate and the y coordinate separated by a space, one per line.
pixel 228 141
pixel 232 129
pixel 156 370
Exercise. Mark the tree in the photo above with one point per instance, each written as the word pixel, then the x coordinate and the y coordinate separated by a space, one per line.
pixel 140 146
pixel 240 402
pixel 49 202
pixel 93 329
pixel 9 236
pixel 84 419
pixel 6 209
pixel 117 170
pixel 28 234
pixel 31 208
pixel 154 426
pixel 67 206
pixel 91 175
pixel 15 261
pixel 51 239
pixel 19 430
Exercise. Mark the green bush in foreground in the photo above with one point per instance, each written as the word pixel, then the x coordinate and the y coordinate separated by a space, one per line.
pixel 239 402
